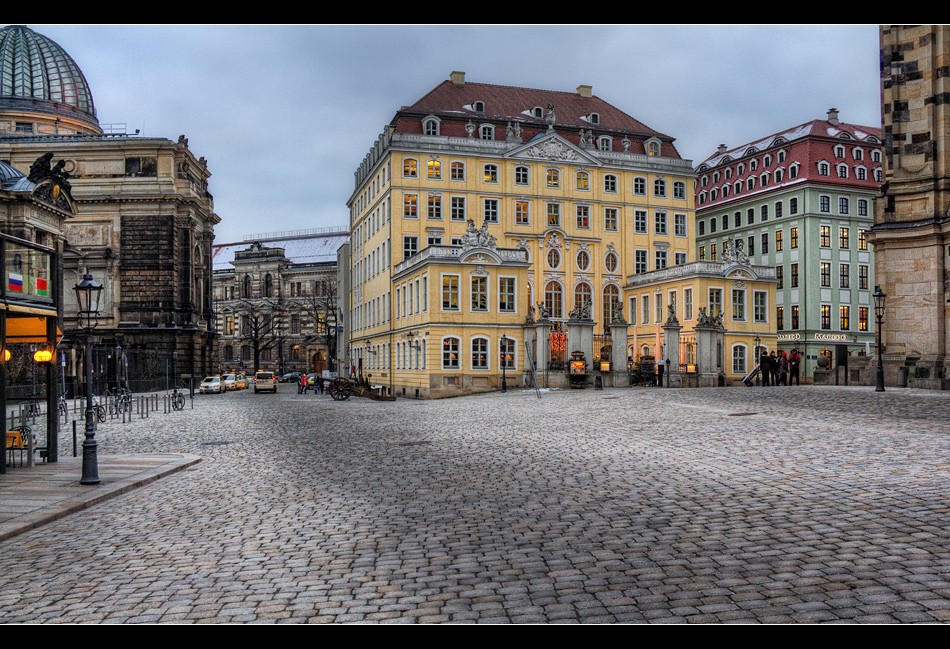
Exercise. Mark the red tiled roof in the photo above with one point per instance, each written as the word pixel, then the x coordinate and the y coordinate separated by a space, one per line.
pixel 454 102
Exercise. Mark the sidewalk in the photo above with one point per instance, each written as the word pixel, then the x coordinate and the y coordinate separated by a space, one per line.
pixel 34 496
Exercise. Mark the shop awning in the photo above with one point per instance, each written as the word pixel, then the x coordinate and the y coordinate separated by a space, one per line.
pixel 28 330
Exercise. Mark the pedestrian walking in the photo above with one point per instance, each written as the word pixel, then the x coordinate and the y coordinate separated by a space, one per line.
pixel 782 369
pixel 794 365
pixel 765 367
pixel 303 384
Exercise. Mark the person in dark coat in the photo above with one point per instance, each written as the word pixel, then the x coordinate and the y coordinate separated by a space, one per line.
pixel 765 367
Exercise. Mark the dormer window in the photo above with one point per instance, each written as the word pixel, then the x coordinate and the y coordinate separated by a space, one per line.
pixel 538 112
pixel 430 126
pixel 486 132
pixel 653 148
pixel 604 143
pixel 478 106
pixel 593 118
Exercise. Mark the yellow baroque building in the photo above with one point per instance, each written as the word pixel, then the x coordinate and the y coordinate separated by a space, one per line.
pixel 483 207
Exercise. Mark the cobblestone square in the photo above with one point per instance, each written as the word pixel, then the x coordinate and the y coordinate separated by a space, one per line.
pixel 788 505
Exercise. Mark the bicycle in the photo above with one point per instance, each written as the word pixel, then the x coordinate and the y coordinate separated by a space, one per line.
pixel 120 400
pixel 178 399
pixel 99 410
pixel 63 408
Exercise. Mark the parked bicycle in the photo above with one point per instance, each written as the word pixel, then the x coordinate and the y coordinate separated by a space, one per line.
pixel 178 398
pixel 120 400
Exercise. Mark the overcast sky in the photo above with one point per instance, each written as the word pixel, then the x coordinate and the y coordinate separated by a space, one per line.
pixel 284 114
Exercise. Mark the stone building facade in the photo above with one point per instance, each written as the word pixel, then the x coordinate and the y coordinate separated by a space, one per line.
pixel 276 303
pixel 144 218
pixel 911 233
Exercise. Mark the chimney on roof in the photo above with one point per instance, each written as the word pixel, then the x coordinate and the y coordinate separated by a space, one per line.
pixel 585 91
pixel 458 78
pixel 721 149
pixel 833 116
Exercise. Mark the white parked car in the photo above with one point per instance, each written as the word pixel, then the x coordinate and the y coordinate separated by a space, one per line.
pixel 212 384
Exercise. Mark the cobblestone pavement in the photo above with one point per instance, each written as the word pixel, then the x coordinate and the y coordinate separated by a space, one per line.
pixel 808 504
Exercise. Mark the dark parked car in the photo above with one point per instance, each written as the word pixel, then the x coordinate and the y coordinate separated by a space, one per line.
pixel 292 377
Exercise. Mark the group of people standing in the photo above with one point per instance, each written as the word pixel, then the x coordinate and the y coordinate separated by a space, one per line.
pixel 304 385
pixel 779 368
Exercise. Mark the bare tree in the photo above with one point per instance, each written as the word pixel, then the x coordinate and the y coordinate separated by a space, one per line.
pixel 261 325
pixel 320 305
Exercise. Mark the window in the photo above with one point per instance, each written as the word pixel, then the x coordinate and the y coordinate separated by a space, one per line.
pixel 687 304
pixel 506 352
pixel 457 170
pixel 679 258
pixel 434 169
pixel 611 262
pixel 738 359
pixel 765 213
pixel 640 186
pixel 487 131
pixel 862 318
pixel 794 316
pixel 435 207
pixel 794 238
pixel 583 260
pixel 553 299
pixel 611 304
pixel 640 221
pixel 826 316
pixel 633 310
pixel 760 303
pixel 604 143
pixel 640 261
pixel 844 238
pixel 842 171
pixel 521 175
pixel 862 207
pixel 738 304
pixel 824 204
pixel 522 213
pixel 450 293
pixel 554 215
pixel 712 225
pixel 653 148
pixel 702 228
pixel 506 294
pixel 491 210
pixel 750 216
pixel 410 168
pixel 778 240
pixel 450 353
pixel 794 277
pixel 780 276
pixel 410 206
pixel 862 239
pixel 583 216
pixel 679 190
pixel 582 294
pixel 553 177
pixel 610 219
pixel 751 250
pixel 715 301
pixel 780 318
pixel 824 236
pixel 583 180
pixel 843 205
pixel 823 169
pixel 825 274
pixel 645 302
pixel 712 252
pixel 844 317
pixel 659 188
pixel 479 294
pixel 458 208
pixel 610 184
pixel 554 258
pixel 793 206
pixel 765 243
pixel 863 282
pixel 660 259
pixel 491 173
pixel 679 225
pixel 410 246
pixel 434 240
pixel 660 223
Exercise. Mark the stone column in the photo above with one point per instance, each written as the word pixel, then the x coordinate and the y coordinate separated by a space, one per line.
pixel 710 348
pixel 671 347
pixel 618 356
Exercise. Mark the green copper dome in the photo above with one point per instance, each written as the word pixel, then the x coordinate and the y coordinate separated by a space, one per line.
pixel 37 75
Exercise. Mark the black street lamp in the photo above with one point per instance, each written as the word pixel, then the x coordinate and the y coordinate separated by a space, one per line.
pixel 504 363
pixel 88 294
pixel 879 299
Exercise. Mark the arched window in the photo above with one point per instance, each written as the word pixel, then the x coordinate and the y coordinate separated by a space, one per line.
pixel 480 354
pixel 582 294
pixel 434 169
pixel 611 305
pixel 268 285
pixel 246 291
pixel 450 353
pixel 553 299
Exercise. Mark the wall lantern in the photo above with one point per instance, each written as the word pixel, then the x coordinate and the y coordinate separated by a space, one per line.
pixel 43 356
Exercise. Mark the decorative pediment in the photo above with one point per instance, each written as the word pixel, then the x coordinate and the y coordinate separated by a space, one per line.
pixel 552 146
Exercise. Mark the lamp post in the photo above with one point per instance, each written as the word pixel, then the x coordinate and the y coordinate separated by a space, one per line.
pixel 879 298
pixel 504 363
pixel 88 294
pixel 755 359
